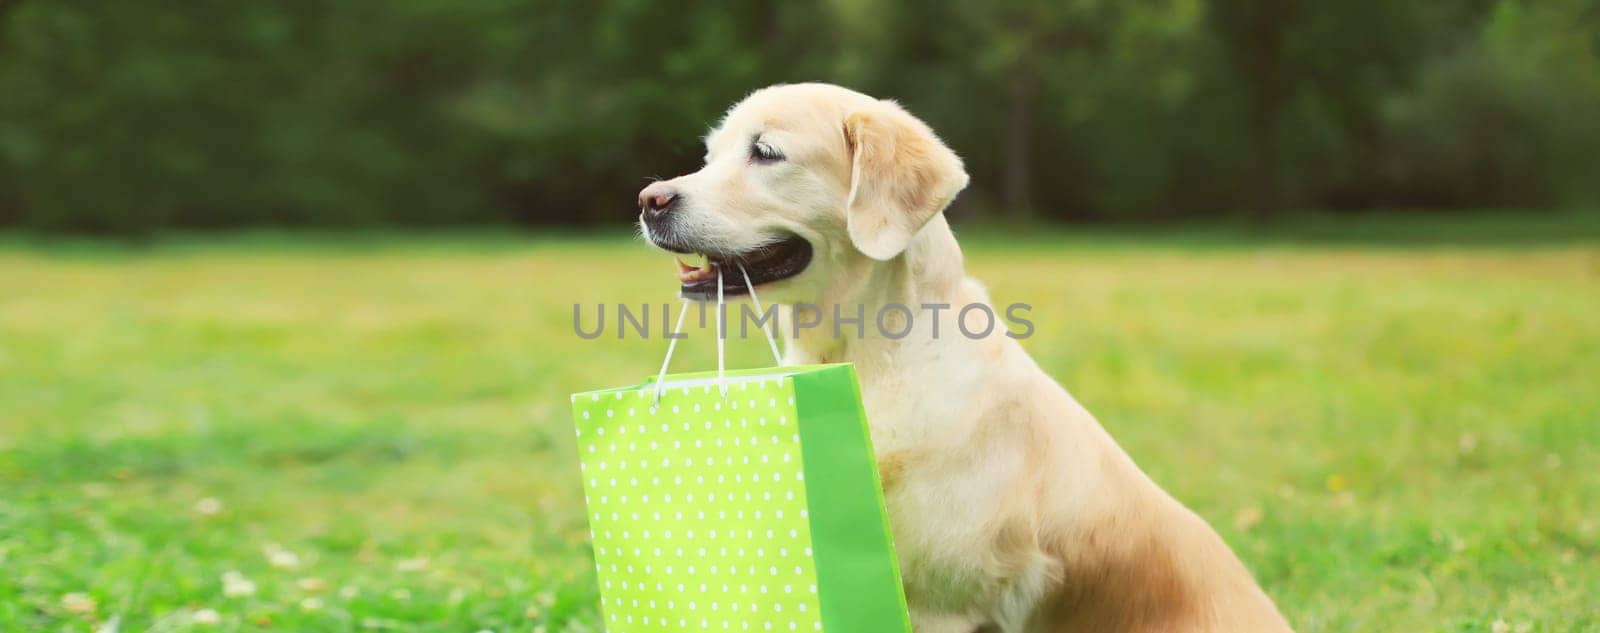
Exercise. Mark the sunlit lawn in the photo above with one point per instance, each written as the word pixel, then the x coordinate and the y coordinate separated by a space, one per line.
pixel 306 434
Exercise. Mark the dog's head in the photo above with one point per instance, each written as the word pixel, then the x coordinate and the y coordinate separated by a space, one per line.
pixel 803 184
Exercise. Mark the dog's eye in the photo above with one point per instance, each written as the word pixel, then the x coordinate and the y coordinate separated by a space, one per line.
pixel 764 153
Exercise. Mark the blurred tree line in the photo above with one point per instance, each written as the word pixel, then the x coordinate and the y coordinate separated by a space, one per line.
pixel 138 114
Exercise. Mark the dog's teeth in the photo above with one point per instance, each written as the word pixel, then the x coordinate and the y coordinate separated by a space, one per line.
pixel 690 273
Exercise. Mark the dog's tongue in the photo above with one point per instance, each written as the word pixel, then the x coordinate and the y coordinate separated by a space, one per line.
pixel 691 274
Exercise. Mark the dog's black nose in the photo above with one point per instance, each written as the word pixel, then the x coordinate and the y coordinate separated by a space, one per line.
pixel 656 200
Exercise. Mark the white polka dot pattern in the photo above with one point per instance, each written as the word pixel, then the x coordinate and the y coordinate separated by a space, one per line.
pixel 697 508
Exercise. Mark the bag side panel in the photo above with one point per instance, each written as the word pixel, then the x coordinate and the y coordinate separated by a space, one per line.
pixel 857 570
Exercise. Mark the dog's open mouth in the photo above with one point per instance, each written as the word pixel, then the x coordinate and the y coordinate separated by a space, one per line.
pixel 777 261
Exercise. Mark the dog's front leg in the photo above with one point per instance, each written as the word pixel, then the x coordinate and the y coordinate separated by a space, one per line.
pixel 925 622
pixel 1022 596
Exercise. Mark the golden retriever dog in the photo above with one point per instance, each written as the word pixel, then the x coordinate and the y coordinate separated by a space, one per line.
pixel 1012 509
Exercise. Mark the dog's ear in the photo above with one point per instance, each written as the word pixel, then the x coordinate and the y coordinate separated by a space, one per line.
pixel 901 175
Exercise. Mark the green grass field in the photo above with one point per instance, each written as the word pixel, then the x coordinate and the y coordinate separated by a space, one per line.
pixel 336 433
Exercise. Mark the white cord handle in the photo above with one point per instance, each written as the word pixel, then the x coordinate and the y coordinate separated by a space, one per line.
pixel 722 383
pixel 777 359
pixel 677 330
pixel 672 343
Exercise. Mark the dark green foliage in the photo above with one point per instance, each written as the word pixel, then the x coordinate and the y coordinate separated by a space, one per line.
pixel 135 115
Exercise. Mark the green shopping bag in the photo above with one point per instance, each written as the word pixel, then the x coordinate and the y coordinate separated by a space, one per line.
pixel 738 501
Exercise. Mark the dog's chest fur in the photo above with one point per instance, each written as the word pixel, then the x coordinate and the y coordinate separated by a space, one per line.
pixel 950 481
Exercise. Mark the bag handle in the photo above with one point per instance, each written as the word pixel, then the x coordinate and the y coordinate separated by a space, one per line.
pixel 677 330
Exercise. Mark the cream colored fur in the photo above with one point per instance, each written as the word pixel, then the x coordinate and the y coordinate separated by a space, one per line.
pixel 1012 509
